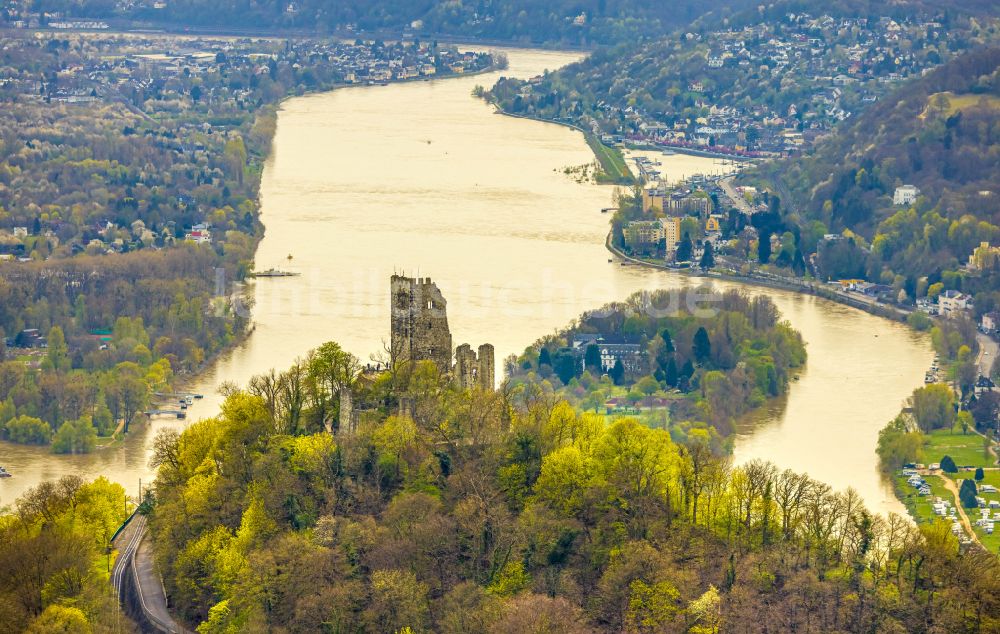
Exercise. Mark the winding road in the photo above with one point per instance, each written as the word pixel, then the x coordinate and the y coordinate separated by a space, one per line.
pixel 135 565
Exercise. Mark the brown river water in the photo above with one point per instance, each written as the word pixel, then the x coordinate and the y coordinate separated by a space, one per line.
pixel 425 179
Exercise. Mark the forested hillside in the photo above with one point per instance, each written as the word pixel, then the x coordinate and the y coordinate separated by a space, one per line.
pixel 510 512
pixel 55 559
pixel 540 21
pixel 939 133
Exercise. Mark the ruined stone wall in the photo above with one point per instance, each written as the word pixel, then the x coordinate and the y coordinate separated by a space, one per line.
pixel 419 329
pixel 475 370
pixel 487 367
pixel 466 365
pixel 348 423
pixel 420 333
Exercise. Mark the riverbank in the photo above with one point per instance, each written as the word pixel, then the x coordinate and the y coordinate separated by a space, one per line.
pixel 765 280
pixel 691 152
pixel 773 281
pixel 612 163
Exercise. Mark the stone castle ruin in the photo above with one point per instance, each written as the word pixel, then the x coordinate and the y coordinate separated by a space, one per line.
pixel 472 369
pixel 420 333
pixel 419 323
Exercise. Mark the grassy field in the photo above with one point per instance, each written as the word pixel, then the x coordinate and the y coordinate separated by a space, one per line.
pixel 964 449
pixel 918 505
pixel 963 102
pixel 991 542
pixel 611 160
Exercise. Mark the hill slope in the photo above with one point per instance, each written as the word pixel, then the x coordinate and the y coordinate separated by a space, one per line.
pixel 578 22
pixel 940 133
pixel 742 86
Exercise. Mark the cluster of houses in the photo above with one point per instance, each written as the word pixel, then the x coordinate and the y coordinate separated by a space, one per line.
pixel 949 303
pixel 662 237
pixel 27 338
pixel 989 513
pixel 841 64
pixel 150 64
pixel 368 65
pixel 989 509
pixel 664 210
pixel 103 238
pixel 222 78
pixel 942 508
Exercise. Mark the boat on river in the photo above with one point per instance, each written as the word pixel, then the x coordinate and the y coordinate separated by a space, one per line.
pixel 276 273
pixel 5 474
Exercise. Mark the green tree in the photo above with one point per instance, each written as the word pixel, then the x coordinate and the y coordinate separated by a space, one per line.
pixel 398 600
pixel 701 346
pixel 948 465
pixel 933 407
pixel 126 397
pixel 392 438
pixel 668 341
pixel 617 373
pixel 965 421
pixel 670 375
pixel 966 372
pixel 592 358
pixel 764 248
pixel 685 249
pixel 648 386
pixel 60 618
pixel 897 445
pixel 967 494
pixel 58 352
pixel 707 257
pixel 75 436
pixel 651 607
pixel 919 321
pixel 565 365
pixel 28 430
pixel 544 357
pixel 510 580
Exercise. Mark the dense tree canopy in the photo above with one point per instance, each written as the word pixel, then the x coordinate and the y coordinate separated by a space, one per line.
pixel 511 511
pixel 706 357
pixel 53 559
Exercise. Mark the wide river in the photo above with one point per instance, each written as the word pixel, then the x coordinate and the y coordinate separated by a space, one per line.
pixel 423 178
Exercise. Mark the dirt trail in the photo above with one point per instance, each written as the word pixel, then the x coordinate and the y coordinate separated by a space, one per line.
pixel 950 485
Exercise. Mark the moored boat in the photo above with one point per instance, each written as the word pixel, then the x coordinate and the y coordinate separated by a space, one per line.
pixel 275 273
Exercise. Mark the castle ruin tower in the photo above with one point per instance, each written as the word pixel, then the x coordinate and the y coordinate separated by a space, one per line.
pixel 466 365
pixel 487 368
pixel 474 370
pixel 419 318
